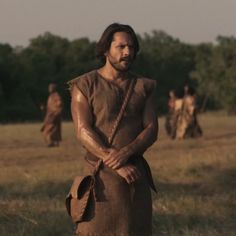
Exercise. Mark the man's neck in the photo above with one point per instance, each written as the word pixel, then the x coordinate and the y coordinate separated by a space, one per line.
pixel 112 74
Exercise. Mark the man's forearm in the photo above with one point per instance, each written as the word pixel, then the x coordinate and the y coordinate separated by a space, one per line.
pixel 118 158
pixel 92 142
pixel 143 141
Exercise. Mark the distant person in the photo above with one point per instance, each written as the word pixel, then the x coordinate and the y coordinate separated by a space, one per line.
pixel 188 126
pixel 51 128
pixel 120 203
pixel 178 128
pixel 169 123
pixel 193 129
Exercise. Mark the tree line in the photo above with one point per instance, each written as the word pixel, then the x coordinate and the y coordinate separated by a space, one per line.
pixel 25 72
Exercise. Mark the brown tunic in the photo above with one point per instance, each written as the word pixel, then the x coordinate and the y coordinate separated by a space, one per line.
pixel 119 209
pixel 187 123
pixel 52 122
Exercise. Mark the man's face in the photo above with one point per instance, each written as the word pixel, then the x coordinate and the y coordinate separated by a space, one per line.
pixel 121 53
pixel 186 88
pixel 51 88
pixel 171 94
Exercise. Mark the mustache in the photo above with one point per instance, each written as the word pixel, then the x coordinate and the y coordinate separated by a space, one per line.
pixel 128 59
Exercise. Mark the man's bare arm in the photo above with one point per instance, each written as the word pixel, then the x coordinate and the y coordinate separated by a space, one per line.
pixel 82 118
pixel 150 132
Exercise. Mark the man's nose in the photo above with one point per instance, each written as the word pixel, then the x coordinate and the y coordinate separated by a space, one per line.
pixel 126 51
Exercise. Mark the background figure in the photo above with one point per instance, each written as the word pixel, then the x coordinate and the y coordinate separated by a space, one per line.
pixel 169 122
pixel 187 124
pixel 178 128
pixel 51 128
pixel 190 106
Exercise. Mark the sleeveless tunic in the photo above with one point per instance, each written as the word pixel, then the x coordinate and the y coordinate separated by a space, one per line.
pixel 119 209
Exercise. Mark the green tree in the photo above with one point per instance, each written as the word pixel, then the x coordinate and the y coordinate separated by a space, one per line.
pixel 215 72
pixel 166 60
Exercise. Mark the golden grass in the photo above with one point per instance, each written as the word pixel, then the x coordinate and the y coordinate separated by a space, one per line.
pixel 195 178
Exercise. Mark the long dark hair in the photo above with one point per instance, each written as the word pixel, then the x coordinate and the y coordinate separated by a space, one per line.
pixel 104 43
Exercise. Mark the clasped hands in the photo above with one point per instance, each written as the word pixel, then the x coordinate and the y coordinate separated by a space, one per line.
pixel 117 160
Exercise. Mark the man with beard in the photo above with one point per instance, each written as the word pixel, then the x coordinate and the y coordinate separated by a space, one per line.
pixel 120 201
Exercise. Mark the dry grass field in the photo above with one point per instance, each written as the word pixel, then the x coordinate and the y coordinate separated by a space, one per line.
pixel 195 178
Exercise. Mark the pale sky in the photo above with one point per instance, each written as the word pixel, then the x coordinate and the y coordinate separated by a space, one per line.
pixel 192 21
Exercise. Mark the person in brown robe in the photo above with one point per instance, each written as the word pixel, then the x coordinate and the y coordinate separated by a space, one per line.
pixel 187 124
pixel 51 128
pixel 193 129
pixel 170 117
pixel 123 205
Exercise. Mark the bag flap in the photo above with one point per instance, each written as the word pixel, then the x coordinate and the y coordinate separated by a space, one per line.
pixel 80 185
pixel 78 197
pixel 78 207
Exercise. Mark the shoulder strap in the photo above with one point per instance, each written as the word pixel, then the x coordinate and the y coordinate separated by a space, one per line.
pixel 123 107
pixel 117 121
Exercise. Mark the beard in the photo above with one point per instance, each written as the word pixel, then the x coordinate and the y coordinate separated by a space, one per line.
pixel 122 65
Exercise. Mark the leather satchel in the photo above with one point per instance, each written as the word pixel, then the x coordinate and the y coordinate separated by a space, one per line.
pixel 82 190
pixel 78 198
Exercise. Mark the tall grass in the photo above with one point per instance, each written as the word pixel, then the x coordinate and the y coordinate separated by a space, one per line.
pixel 195 179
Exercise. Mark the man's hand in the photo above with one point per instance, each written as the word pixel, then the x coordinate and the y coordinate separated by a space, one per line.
pixel 129 172
pixel 117 158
